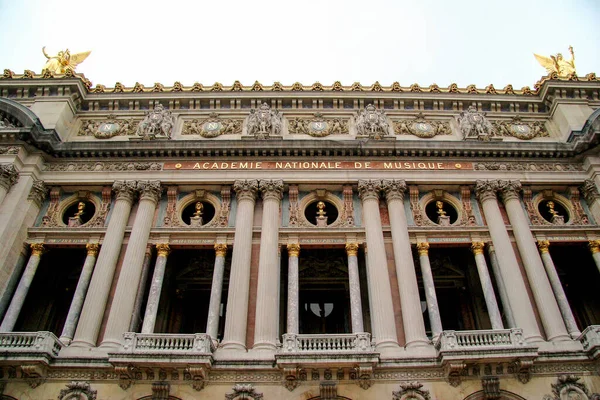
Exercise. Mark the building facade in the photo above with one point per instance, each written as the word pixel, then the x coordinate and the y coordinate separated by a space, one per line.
pixel 299 242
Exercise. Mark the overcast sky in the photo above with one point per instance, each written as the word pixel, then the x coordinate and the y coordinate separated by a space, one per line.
pixel 421 41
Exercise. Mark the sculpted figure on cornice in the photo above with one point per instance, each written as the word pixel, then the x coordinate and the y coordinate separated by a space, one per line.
pixel 157 123
pixel 372 122
pixel 475 125
pixel 521 130
pixel 108 128
pixel 212 126
pixel 264 122
pixel 420 127
pixel 8 122
pixel 318 126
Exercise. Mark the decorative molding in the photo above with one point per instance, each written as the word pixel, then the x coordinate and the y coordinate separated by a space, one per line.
pixel 78 390
pixel 125 190
pixel 394 189
pixel 243 392
pixel 99 166
pixel 160 391
pixel 411 391
pixel 8 176
pixel 520 129
pixel 521 166
pixel 128 375
pixel 368 189
pixel 150 190
pixel 34 374
pixel 223 220
pixel 38 192
pixel 212 126
pixel 294 209
pixel 590 191
pixel 415 207
pixel 568 387
pixel 271 189
pixel 421 128
pixel 318 126
pixel 328 391
pixel 534 216
pixel 197 375
pixel 348 209
pixel 171 218
pixel 99 219
pixel 363 375
pixel 491 387
pixel 291 376
pixel 579 217
pixel 9 150
pixel 246 189
pixel 108 127
pixel 509 189
pixel 468 218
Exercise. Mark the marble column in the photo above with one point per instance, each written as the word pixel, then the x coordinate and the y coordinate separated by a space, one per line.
pixel 293 310
pixel 8 177
pixel 429 286
pixel 121 308
pixel 540 286
pixel 592 198
pixel 382 317
pixel 510 320
pixel 594 246
pixel 12 314
pixel 354 283
pixel 236 318
pixel 12 283
pixel 486 286
pixel 267 302
pixel 518 299
pixel 80 291
pixel 94 305
pixel 216 290
pixel 162 252
pixel 412 316
pixel 559 293
pixel 136 318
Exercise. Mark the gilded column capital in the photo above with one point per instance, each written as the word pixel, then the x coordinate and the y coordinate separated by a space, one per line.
pixel 477 247
pixel 245 189
pixel 37 249
pixel 543 245
pixel 125 190
pixel 594 246
pixel 8 176
pixel 38 192
pixel 368 189
pixel 271 189
pixel 423 248
pixel 486 190
pixel 590 191
pixel 92 249
pixel 352 249
pixel 509 189
pixel 163 249
pixel 221 249
pixel 293 249
pixel 394 189
pixel 149 190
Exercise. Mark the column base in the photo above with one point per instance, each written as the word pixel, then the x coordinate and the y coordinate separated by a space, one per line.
pixel 418 343
pixel 560 338
pixel 65 340
pixel 81 344
pixel 109 345
pixel 231 345
pixel 265 346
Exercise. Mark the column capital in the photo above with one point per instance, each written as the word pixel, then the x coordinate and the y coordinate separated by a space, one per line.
pixel 221 249
pixel 246 189
pixel 8 175
pixel 39 191
pixel 163 249
pixel 293 249
pixel 423 248
pixel 369 189
pixel 509 189
pixel 477 247
pixel 37 249
pixel 125 190
pixel 150 190
pixel 486 190
pixel 92 249
pixel 271 189
pixel 594 246
pixel 589 190
pixel 394 189
pixel 352 249
pixel 543 245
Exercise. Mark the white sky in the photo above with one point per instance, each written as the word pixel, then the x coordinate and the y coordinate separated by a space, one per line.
pixel 419 41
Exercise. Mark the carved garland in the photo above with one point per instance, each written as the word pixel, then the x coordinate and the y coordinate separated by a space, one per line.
pixel 109 127
pixel 318 126
pixel 421 127
pixel 520 129
pixel 212 126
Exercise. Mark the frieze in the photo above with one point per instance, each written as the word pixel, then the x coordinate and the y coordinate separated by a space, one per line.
pixel 318 126
pixel 9 150
pixel 104 166
pixel 316 165
pixel 108 128
pixel 212 126
pixel 520 129
pixel 555 167
pixel 420 127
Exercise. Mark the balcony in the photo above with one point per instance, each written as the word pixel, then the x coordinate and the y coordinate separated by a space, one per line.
pixel 29 346
pixel 590 339
pixel 350 348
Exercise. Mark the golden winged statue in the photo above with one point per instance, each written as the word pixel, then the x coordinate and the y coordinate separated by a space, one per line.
pixel 63 61
pixel 558 64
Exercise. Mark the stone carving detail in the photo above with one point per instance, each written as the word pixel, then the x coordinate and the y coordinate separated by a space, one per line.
pixel 104 166
pixel 125 189
pixel 411 391
pixel 415 207
pixel 348 211
pixel 108 128
pixel 568 387
pixel 212 126
pixel 157 123
pixel 223 220
pixel 291 378
pixel 243 392
pixel 372 122
pixel 78 390
pixel 34 375
pixel 264 122
pixel 369 189
pixel 328 391
pixel 521 130
pixel 246 189
pixel 51 217
pixel 9 150
pixel 468 218
pixel 523 370
pixel 150 190
pixel 421 128
pixel 363 375
pixel 534 216
pixel 198 376
pixel 9 122
pixel 491 387
pixel 579 216
pixel 271 188
pixel 38 193
pixel 559 167
pixel 171 212
pixel 485 189
pixel 128 375
pixel 294 208
pixel 590 191
pixel 8 175
pixel 160 391
pixel 475 125
pixel 509 189
pixel 318 126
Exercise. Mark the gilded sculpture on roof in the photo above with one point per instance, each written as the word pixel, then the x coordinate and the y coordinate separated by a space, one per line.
pixel 557 63
pixel 63 61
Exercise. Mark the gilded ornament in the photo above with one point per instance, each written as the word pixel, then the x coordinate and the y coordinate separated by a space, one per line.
pixel 293 249
pixel 477 247
pixel 92 249
pixel 47 74
pixel 216 87
pixel 543 245
pixel 490 89
pixel 99 89
pixel 396 87
pixel 138 88
pixel 257 87
pixel 594 246
pixel 471 89
pixel 434 89
pixel 37 249
pixel 297 87
pixel 423 248
pixel 527 91
pixel 177 87
pixel 337 87
pixel 376 87
pixel 590 77
pixel 237 87
pixel 63 61
pixel 352 249
pixel 453 88
pixel 558 64
pixel 197 87
pixel 317 87
pixel 277 87
pixel 28 74
pixel 508 89
pixel 163 249
pixel 158 87
pixel 221 249
pixel 415 88
pixel 8 74
pixel 119 88
pixel 356 87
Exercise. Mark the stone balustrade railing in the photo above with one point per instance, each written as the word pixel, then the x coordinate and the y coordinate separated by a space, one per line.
pixel 339 343
pixel 464 340
pixel 139 343
pixel 30 342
